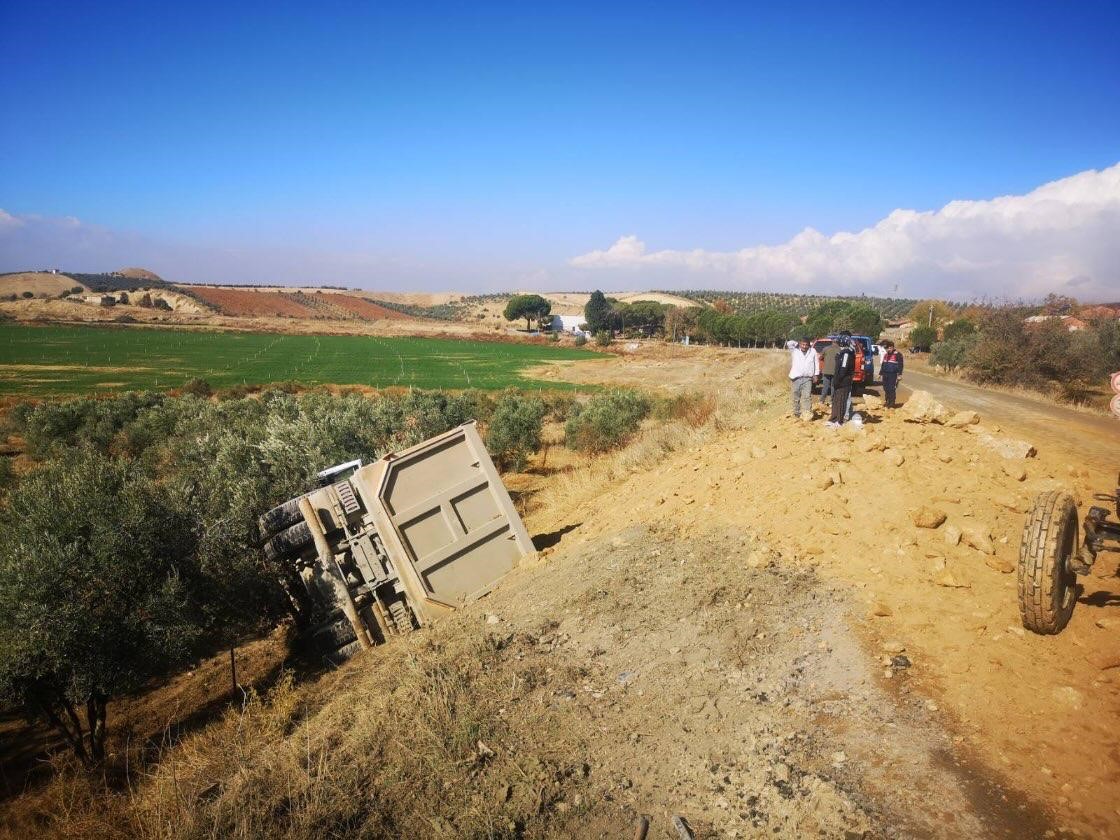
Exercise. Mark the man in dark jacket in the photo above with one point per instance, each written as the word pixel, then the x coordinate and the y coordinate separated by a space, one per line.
pixel 828 369
pixel 891 371
pixel 842 380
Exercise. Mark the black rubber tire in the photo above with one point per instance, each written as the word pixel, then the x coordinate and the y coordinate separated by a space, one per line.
pixel 280 517
pixel 1047 589
pixel 287 542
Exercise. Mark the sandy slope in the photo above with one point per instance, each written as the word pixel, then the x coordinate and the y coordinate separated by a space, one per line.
pixel 1039 713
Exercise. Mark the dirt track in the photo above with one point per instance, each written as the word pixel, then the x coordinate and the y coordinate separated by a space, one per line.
pixel 1093 437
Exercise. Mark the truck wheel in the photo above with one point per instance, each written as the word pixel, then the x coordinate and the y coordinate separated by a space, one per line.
pixel 1047 589
pixel 289 541
pixel 280 517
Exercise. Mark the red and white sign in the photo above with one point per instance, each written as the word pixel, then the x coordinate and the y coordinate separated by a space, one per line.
pixel 1116 382
pixel 1116 405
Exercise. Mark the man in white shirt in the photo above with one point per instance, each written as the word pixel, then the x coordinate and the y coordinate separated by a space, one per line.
pixel 802 369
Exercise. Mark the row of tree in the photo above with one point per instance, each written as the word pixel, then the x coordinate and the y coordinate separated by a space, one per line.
pixel 719 323
pixel 133 548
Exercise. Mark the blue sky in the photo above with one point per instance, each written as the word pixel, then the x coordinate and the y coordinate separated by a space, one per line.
pixel 483 146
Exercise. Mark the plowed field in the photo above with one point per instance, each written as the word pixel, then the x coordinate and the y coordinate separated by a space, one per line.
pixel 249 303
pixel 364 309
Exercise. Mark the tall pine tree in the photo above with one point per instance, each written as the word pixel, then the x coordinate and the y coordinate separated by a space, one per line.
pixel 597 313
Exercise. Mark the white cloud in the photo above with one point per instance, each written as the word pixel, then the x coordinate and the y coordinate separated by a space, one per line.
pixel 1063 234
pixel 7 220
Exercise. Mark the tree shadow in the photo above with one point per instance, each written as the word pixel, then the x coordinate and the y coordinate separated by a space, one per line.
pixel 543 541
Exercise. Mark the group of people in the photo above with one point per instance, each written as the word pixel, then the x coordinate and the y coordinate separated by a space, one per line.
pixel 835 368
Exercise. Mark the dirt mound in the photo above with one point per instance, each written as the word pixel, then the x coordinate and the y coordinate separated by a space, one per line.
pixel 843 502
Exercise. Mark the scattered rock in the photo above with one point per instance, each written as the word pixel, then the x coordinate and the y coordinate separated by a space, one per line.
pixel 824 482
pixel 921 407
pixel 758 559
pixel 927 517
pixel 1011 448
pixel 835 453
pixel 893 456
pixel 872 401
pixel 882 610
pixel 1014 471
pixel 980 540
pixel 1069 696
pixel 758 452
pixel 999 564
pixel 962 419
pixel 839 757
pixel 893 647
pixel 948 579
pixel 952 534
pixel 492 619
pixel 1010 502
pixel 945 457
pixel 900 662
pixel 870 444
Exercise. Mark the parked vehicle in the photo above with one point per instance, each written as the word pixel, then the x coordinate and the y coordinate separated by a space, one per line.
pixel 866 351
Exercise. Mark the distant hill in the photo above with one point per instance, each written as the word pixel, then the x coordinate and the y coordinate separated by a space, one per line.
pixel 141 274
pixel 748 302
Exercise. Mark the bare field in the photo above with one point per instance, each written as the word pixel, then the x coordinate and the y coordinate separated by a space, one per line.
pixel 41 283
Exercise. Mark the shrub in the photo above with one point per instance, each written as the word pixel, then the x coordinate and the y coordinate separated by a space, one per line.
pixel 554 336
pixel 953 352
pixel 515 429
pixel 692 408
pixel 76 290
pixel 960 328
pixel 581 340
pixel 28 294
pixel 922 338
pixel 198 387
pixel 603 338
pixel 606 421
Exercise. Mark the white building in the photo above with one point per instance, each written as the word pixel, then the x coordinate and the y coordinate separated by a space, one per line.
pixel 571 324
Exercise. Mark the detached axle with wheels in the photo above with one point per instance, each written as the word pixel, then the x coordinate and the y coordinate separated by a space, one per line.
pixel 1051 557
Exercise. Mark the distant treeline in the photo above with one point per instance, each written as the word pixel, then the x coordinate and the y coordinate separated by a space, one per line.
pixel 114 282
pixel 439 312
pixel 747 303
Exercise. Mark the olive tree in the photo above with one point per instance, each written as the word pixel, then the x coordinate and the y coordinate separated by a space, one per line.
pixel 96 595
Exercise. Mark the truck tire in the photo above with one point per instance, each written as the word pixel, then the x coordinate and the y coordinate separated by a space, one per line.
pixel 280 517
pixel 1047 588
pixel 289 541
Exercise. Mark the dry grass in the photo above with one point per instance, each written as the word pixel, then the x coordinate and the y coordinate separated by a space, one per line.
pixel 440 734
pixel 408 740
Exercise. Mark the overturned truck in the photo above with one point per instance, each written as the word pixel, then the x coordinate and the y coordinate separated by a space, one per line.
pixel 380 549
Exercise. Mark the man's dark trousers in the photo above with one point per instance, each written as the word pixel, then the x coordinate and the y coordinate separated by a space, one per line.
pixel 890 387
pixel 840 394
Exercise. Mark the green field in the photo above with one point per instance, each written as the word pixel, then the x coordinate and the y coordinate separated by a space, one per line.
pixel 66 360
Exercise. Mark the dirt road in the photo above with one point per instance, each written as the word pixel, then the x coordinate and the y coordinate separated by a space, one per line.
pixel 1094 438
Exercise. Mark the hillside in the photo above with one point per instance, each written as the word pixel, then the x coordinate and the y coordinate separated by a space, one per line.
pixel 748 302
pixel 39 283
